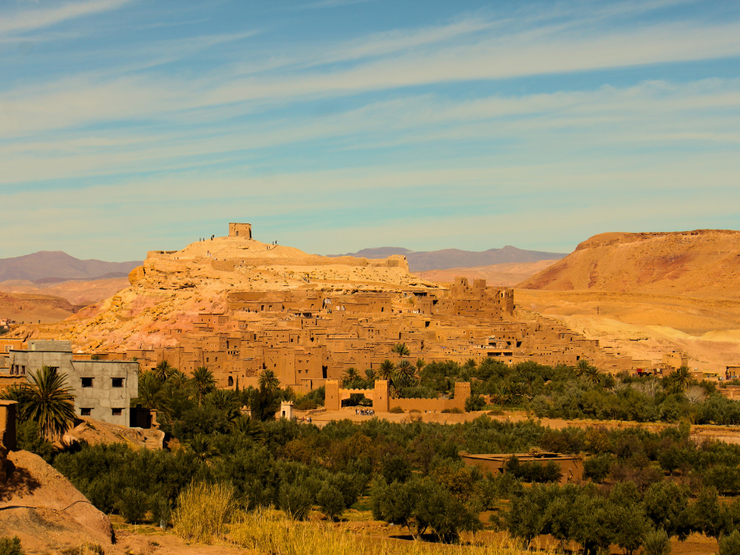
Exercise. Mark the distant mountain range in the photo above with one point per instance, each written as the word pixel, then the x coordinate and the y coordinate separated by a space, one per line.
pixel 53 266
pixel 455 258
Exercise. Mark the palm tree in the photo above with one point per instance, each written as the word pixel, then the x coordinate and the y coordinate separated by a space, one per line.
pixel 385 372
pixel 149 391
pixel 178 379
pixel 49 403
pixel 225 401
pixel 681 378
pixel 203 381
pixel 592 375
pixel 406 372
pixel 249 427
pixel 401 349
pixel 350 375
pixel 370 375
pixel 581 367
pixel 420 364
pixel 201 445
pixel 268 380
pixel 163 371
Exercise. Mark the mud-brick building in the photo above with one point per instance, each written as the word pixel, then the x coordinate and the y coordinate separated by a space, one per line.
pixel 102 389
pixel 571 466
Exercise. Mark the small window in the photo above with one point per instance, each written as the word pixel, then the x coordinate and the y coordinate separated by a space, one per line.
pixel 85 412
pixel 117 382
pixel 117 412
pixel 87 382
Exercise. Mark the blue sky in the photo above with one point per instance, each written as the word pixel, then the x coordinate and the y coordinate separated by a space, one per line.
pixel 335 125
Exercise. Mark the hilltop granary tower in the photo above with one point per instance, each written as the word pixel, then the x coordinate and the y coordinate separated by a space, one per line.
pixel 240 230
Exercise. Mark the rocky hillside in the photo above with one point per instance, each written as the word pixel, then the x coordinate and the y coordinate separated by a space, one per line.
pixel 173 288
pixel 701 263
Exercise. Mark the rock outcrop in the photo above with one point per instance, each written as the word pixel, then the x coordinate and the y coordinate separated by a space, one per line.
pixel 45 510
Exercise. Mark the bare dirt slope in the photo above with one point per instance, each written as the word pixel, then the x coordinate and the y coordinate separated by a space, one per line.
pixel 504 275
pixel 45 510
pixel 701 263
pixel 647 294
pixel 77 292
pixel 32 307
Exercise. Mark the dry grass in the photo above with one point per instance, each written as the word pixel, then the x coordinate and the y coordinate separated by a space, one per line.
pixel 271 532
pixel 203 511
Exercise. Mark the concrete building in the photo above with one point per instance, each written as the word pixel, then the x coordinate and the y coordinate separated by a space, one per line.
pixel 102 389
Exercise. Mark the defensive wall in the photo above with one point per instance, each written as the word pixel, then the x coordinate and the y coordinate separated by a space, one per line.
pixel 571 466
pixel 382 402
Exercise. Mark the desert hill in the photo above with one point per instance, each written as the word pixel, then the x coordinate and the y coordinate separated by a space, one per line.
pixel 695 263
pixel 646 295
pixel 456 258
pixel 33 307
pixel 172 289
pixel 77 292
pixel 57 265
pixel 506 275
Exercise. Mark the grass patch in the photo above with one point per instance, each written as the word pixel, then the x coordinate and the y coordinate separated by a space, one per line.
pixel 270 531
pixel 203 511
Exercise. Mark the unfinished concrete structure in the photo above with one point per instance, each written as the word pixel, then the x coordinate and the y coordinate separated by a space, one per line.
pixel 102 389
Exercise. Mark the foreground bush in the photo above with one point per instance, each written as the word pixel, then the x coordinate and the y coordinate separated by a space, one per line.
pixel 203 511
pixel 11 546
pixel 272 532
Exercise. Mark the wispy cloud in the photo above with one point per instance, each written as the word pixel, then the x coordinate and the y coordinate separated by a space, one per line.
pixel 486 119
pixel 22 21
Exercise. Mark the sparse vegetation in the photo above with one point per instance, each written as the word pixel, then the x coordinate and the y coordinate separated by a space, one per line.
pixel 203 510
pixel 11 546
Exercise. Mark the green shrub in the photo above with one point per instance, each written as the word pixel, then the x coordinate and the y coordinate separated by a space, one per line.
pixel 474 403
pixel 597 468
pixel 132 504
pixel 396 410
pixel 657 542
pixel 331 501
pixel 11 546
pixel 296 501
pixel 730 544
